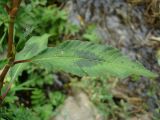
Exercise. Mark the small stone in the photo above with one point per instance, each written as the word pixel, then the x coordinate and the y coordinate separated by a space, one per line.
pixel 78 107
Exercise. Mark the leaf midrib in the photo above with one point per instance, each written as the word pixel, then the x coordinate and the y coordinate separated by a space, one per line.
pixel 71 57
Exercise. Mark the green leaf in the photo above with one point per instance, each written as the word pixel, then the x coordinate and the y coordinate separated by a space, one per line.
pixel 56 98
pixel 33 47
pixel 3 12
pixel 3 63
pixel 91 34
pixel 158 57
pixel 3 2
pixel 86 58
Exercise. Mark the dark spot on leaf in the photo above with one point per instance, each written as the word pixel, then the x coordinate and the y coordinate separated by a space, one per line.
pixel 88 55
pixel 87 63
pixel 122 62
pixel 88 59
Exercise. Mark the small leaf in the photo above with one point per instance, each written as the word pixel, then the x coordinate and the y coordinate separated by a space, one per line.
pixel 33 47
pixel 86 58
pixel 3 63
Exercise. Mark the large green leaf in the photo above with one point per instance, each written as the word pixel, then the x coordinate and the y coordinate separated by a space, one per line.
pixel 85 58
pixel 33 46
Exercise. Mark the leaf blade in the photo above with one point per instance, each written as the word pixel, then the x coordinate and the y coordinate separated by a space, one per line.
pixel 85 58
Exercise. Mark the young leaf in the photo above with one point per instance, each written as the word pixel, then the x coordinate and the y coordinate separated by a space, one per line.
pixel 85 58
pixel 33 47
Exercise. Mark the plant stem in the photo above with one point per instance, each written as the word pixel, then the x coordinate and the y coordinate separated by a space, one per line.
pixel 21 61
pixel 10 53
pixel 3 74
pixel 15 5
pixel 10 37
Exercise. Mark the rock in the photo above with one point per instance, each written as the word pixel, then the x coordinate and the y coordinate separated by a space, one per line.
pixel 78 107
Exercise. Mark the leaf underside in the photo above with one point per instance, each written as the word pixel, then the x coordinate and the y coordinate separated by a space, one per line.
pixel 88 59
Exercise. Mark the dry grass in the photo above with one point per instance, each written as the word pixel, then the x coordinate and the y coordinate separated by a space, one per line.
pixel 152 10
